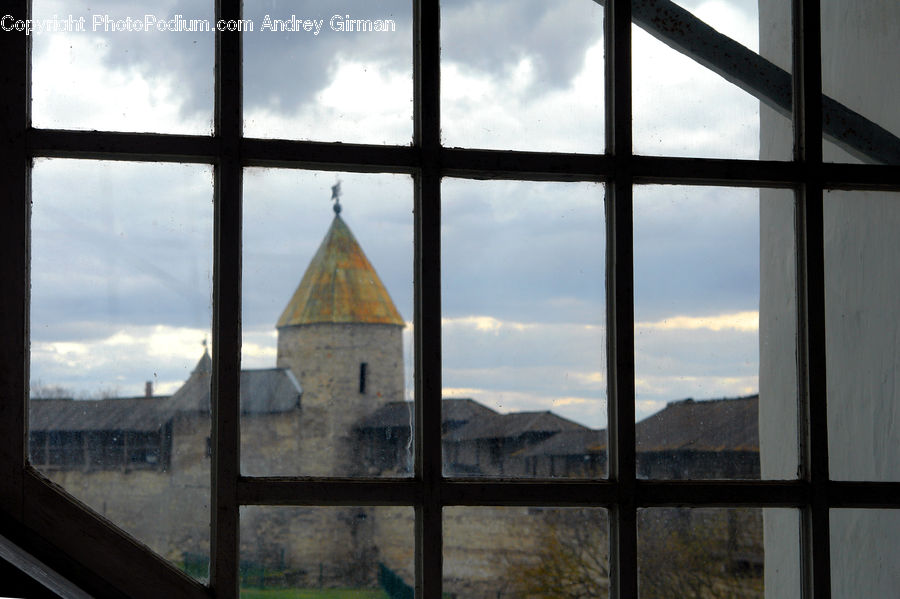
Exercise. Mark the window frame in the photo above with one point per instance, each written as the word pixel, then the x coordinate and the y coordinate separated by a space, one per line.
pixel 45 513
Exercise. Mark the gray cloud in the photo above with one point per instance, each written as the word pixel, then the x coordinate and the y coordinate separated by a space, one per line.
pixel 532 252
pixel 696 251
pixel 493 36
pixel 118 245
pixel 285 70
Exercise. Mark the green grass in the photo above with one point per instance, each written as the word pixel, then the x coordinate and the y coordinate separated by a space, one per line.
pixel 312 594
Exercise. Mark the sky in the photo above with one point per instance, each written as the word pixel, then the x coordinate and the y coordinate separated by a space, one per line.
pixel 122 252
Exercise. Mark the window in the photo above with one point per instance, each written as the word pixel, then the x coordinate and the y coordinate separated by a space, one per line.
pixel 815 493
pixel 362 377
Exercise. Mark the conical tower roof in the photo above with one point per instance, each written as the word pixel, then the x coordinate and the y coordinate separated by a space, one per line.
pixel 340 285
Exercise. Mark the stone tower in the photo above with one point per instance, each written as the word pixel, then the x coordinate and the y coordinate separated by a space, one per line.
pixel 341 335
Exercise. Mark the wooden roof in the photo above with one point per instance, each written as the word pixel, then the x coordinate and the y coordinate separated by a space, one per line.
pixel 513 425
pixel 711 425
pixel 267 391
pixel 132 414
pixel 400 414
pixel 686 425
pixel 564 443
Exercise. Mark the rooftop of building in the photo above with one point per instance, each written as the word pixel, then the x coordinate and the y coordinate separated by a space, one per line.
pixel 400 414
pixel 264 391
pixel 340 285
pixel 513 425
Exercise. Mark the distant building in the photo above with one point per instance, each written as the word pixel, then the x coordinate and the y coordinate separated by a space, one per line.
pixel 334 406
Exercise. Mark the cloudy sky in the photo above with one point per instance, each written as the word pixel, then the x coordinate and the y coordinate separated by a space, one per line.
pixel 122 251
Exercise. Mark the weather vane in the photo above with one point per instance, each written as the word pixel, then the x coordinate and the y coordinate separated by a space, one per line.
pixel 336 196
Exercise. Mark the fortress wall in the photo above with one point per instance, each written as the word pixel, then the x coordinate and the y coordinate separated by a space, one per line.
pixel 270 444
pixel 393 532
pixel 166 510
pixel 328 546
pixel 482 543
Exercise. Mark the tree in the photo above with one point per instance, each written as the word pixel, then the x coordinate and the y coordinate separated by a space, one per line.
pixel 694 553
pixel 571 561
pixel 689 553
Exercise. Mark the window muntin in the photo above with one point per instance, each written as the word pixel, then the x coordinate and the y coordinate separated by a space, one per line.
pixel 806 175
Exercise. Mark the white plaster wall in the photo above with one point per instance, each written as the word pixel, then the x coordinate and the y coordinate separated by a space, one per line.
pixel 861 46
pixel 778 416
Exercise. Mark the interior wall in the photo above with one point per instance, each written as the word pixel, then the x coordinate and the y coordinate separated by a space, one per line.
pixel 862 307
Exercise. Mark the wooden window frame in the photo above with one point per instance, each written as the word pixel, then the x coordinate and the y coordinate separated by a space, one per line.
pixel 46 515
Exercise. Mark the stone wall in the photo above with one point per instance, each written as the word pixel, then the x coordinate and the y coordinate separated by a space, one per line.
pixel 326 360
pixel 166 510
pixel 271 444
pixel 482 543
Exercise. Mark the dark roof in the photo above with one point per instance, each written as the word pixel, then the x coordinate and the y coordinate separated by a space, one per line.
pixel 568 443
pixel 464 409
pixel 513 425
pixel 712 425
pixel 266 391
pixel 269 391
pixel 399 414
pixel 133 414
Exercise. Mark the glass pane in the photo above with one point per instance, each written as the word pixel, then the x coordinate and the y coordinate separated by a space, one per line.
pixel 697 331
pixel 522 75
pixel 859 81
pixel 326 385
pixel 141 66
pixel 712 553
pixel 865 546
pixel 524 361
pixel 526 552
pixel 333 552
pixel 320 71
pixel 861 333
pixel 120 314
pixel 705 73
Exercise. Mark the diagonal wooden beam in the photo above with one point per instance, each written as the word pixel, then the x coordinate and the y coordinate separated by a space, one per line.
pixel 682 31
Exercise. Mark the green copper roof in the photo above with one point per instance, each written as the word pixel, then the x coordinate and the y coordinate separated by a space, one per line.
pixel 340 285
